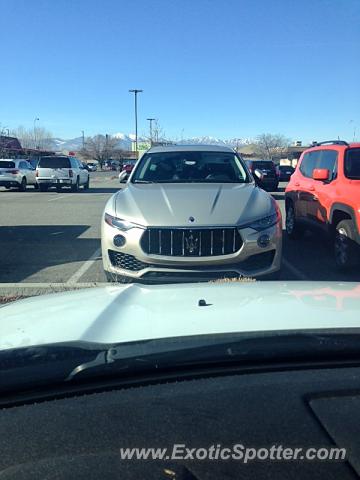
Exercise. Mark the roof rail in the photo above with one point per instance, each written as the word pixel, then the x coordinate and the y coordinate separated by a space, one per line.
pixel 330 142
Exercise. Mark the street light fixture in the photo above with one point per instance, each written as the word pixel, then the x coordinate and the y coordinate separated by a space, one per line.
pixel 35 120
pixel 151 132
pixel 135 91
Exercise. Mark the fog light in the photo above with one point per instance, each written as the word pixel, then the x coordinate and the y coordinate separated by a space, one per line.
pixel 263 241
pixel 119 241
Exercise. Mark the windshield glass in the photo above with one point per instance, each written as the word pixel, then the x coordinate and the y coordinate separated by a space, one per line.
pixel 190 166
pixel 54 162
pixel 352 164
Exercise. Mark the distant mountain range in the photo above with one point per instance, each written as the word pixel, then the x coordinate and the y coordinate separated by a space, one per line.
pixel 125 142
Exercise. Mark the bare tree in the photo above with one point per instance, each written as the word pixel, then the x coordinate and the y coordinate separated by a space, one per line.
pixel 39 137
pixel 100 148
pixel 270 146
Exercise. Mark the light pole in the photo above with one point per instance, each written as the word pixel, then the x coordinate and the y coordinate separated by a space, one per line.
pixel 151 132
pixel 35 120
pixel 83 139
pixel 135 91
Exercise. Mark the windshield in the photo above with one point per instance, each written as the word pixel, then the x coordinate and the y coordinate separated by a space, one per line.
pixel 190 166
pixel 54 162
pixel 352 164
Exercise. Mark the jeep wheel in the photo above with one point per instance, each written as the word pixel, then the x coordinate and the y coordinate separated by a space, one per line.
pixel 346 251
pixel 293 229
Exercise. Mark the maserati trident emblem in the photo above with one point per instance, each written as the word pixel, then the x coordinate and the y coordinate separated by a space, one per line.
pixel 191 243
pixel 191 219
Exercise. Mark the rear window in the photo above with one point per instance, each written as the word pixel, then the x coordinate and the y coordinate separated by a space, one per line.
pixel 54 162
pixel 352 164
pixel 5 164
pixel 264 165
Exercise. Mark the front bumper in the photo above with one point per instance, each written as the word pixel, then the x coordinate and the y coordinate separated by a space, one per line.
pixel 250 260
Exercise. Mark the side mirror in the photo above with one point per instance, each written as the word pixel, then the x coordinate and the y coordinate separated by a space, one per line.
pixel 321 174
pixel 258 175
pixel 123 176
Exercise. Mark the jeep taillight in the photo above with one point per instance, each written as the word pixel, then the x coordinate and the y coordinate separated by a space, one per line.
pixel 71 173
pixel 36 173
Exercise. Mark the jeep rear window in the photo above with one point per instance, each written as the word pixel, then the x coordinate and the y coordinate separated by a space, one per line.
pixel 54 162
pixel 4 164
pixel 352 164
pixel 265 165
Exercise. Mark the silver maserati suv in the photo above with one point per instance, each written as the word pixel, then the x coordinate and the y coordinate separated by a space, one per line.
pixel 190 213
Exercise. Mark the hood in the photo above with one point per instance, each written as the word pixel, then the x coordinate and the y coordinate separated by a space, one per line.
pixel 209 204
pixel 137 312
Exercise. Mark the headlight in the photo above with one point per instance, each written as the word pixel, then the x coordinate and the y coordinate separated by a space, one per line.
pixel 266 222
pixel 120 224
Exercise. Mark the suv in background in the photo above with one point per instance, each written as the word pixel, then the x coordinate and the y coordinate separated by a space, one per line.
pixel 16 173
pixel 324 192
pixel 269 174
pixel 61 171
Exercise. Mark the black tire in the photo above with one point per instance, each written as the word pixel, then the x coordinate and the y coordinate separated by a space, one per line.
pixel 114 278
pixel 293 229
pixel 23 185
pixel 36 186
pixel 87 184
pixel 58 188
pixel 43 188
pixel 346 250
pixel 75 187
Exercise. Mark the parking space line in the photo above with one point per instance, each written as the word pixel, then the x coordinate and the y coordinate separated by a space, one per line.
pixel 84 267
pixel 58 197
pixel 295 271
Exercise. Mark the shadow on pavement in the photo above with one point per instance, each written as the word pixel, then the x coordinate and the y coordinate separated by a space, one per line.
pixel 26 250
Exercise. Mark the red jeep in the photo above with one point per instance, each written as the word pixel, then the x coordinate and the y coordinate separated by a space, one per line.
pixel 324 192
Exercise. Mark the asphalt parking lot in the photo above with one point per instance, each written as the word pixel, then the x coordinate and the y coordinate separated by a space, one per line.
pixel 55 238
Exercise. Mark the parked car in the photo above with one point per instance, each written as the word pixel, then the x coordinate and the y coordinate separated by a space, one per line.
pixel 270 175
pixel 61 171
pixel 285 172
pixel 190 213
pixel 17 173
pixel 128 166
pixel 324 193
pixel 92 167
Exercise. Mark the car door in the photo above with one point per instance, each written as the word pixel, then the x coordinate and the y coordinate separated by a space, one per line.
pixel 320 200
pixel 30 173
pixel 303 183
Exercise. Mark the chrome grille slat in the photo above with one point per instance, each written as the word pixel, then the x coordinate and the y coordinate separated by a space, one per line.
pixel 191 242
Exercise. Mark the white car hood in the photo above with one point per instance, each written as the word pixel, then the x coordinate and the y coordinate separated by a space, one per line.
pixel 130 313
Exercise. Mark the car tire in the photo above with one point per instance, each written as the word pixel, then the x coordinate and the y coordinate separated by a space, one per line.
pixel 58 188
pixel 115 278
pixel 36 186
pixel 87 184
pixel 293 229
pixel 75 187
pixel 346 250
pixel 23 185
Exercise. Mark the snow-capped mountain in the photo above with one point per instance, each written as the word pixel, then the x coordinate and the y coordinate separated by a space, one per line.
pixel 125 142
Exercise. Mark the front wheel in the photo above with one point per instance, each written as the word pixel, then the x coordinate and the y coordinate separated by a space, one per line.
pixel 75 187
pixel 43 188
pixel 87 184
pixel 346 251
pixel 293 229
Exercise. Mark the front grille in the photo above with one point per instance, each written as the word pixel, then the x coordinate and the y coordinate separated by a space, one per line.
pixel 128 262
pixel 191 242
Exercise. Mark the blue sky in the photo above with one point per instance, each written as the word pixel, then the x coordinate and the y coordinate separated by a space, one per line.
pixel 225 68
